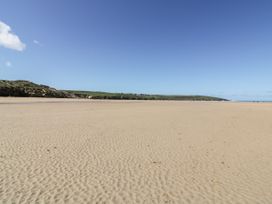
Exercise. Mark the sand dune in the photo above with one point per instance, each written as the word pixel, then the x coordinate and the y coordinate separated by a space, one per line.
pixel 80 151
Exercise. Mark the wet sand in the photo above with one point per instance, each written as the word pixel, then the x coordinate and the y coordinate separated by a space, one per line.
pixel 84 151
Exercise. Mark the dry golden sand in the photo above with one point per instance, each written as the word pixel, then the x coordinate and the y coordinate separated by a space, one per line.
pixel 80 151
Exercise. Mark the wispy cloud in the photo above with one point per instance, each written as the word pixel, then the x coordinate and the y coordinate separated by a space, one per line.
pixel 37 42
pixel 8 64
pixel 9 39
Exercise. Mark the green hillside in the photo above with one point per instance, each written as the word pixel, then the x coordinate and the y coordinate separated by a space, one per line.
pixel 22 88
pixel 131 96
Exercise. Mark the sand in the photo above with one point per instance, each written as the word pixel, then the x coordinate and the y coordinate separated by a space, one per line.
pixel 83 151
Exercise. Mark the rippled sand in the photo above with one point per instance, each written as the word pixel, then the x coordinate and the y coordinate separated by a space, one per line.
pixel 81 151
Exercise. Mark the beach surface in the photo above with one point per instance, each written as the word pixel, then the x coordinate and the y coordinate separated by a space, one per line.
pixel 88 151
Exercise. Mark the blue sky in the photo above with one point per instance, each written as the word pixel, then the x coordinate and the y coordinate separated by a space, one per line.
pixel 209 47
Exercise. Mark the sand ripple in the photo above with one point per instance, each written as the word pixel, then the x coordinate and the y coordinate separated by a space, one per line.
pixel 135 152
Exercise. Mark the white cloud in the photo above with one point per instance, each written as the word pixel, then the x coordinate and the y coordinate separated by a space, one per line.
pixel 37 42
pixel 8 64
pixel 9 39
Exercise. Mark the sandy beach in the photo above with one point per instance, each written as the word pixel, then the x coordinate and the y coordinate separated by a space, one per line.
pixel 85 151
